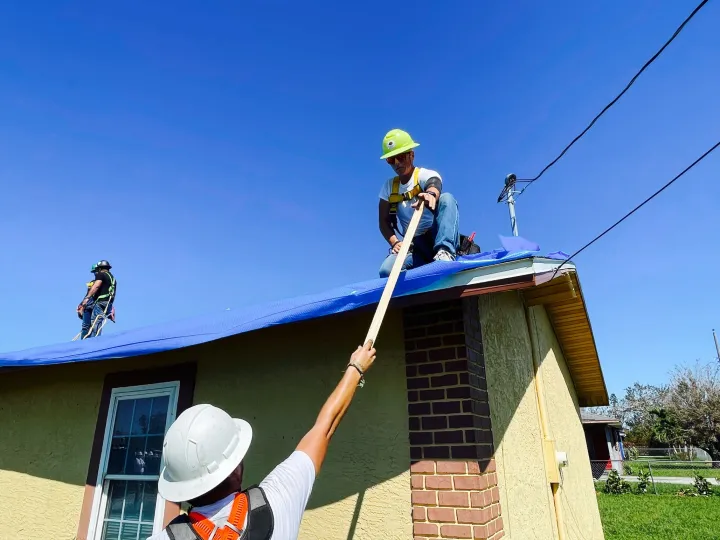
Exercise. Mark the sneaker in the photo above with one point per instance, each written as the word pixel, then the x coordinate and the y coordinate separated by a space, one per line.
pixel 444 255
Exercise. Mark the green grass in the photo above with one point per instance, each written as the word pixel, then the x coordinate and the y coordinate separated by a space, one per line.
pixel 674 469
pixel 665 516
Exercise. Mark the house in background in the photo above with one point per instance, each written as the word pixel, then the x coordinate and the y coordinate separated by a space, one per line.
pixel 604 437
pixel 468 425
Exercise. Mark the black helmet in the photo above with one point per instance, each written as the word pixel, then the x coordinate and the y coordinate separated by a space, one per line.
pixel 104 264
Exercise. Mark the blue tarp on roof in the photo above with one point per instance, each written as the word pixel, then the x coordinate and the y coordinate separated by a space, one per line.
pixel 193 331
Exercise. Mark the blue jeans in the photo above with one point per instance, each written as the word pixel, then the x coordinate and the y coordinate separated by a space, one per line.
pixel 94 314
pixel 444 233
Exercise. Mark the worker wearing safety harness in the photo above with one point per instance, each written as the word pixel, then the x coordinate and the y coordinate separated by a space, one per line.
pixel 98 302
pixel 437 235
pixel 202 464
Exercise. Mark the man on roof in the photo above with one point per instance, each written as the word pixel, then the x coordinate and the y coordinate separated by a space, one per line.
pixel 203 465
pixel 97 306
pixel 437 237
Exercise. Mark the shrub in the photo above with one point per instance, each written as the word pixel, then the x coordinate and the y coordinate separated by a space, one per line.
pixel 643 479
pixel 701 488
pixel 681 455
pixel 701 485
pixel 633 453
pixel 616 485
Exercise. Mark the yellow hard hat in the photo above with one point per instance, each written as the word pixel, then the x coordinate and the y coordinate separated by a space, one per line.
pixel 396 142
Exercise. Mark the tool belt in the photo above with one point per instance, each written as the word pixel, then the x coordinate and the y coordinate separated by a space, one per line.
pixel 467 245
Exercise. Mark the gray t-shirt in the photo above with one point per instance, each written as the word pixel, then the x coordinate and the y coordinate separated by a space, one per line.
pixel 287 489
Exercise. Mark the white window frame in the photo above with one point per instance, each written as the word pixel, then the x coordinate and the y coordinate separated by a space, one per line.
pixel 170 389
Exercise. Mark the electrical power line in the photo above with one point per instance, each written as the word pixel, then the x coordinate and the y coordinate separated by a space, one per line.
pixel 651 197
pixel 529 181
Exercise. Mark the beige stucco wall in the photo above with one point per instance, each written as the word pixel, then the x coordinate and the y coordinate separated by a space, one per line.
pixel 525 495
pixel 47 420
pixel 578 501
pixel 277 379
pixel 279 386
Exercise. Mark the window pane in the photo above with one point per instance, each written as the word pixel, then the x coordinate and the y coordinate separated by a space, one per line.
pixel 123 417
pixel 153 452
pixel 130 510
pixel 149 501
pixel 118 451
pixel 129 531
pixel 135 448
pixel 141 417
pixel 116 493
pixel 133 501
pixel 158 417
pixel 145 531
pixel 111 531
pixel 135 463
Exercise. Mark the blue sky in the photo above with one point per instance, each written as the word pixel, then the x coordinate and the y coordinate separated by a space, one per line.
pixel 227 154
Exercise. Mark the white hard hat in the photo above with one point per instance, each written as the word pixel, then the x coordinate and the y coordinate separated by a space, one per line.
pixel 201 449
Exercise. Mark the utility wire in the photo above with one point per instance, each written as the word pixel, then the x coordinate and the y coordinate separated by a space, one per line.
pixel 651 197
pixel 632 81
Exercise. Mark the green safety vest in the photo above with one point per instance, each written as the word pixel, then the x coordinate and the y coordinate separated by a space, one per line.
pixel 111 290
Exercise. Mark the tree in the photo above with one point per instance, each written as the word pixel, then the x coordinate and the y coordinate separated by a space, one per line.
pixel 694 400
pixel 684 412
pixel 634 412
pixel 666 428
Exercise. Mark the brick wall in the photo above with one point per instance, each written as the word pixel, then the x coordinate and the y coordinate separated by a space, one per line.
pixel 454 484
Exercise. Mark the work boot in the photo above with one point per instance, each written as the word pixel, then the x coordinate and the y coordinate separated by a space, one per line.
pixel 444 255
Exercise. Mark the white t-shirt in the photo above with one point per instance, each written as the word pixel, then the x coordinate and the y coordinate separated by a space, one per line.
pixel 405 209
pixel 287 489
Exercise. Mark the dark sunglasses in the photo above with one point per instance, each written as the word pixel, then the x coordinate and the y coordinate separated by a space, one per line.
pixel 400 158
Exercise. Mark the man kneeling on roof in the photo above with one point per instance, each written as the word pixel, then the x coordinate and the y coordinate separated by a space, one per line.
pixel 437 237
pixel 202 464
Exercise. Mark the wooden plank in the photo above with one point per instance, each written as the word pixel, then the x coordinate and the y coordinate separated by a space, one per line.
pixel 569 324
pixel 580 355
pixel 569 319
pixel 569 306
pixel 586 370
pixel 394 274
pixel 578 339
pixel 581 332
pixel 573 328
pixel 581 364
pixel 551 298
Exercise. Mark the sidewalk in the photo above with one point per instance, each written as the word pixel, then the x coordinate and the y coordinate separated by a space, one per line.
pixel 673 480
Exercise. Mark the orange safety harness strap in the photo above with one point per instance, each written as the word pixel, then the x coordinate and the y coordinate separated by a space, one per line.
pixel 204 527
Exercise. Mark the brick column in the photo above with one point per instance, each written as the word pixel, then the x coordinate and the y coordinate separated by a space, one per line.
pixel 454 484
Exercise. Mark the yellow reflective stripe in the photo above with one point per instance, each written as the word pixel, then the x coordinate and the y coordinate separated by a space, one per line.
pixel 395 196
pixel 412 194
pixel 111 289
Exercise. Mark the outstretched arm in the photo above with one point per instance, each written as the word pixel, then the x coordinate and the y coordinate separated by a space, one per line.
pixel 316 441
